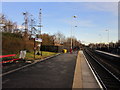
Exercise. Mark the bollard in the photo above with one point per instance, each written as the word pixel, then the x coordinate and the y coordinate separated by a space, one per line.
pixel 22 54
pixel 70 51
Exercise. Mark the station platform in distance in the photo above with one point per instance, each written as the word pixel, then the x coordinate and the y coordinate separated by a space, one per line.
pixel 84 77
pixel 108 53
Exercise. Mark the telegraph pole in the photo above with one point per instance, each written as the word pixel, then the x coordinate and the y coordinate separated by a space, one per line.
pixel 40 25
pixel 32 26
pixel 40 14
pixel 26 27
pixel 31 32
pixel 26 21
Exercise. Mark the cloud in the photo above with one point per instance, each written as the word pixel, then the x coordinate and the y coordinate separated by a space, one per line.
pixel 20 27
pixel 86 23
pixel 79 23
pixel 60 0
pixel 111 7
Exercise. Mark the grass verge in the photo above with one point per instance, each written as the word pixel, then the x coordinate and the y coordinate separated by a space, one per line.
pixel 30 56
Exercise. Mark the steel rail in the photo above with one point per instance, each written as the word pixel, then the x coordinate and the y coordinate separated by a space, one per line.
pixel 89 55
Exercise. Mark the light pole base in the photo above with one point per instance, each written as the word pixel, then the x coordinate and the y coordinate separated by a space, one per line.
pixel 70 50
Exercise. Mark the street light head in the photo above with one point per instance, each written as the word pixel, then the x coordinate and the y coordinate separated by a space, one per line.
pixel 24 13
pixel 75 16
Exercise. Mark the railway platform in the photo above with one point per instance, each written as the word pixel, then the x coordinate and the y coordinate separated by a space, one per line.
pixel 83 76
pixel 108 53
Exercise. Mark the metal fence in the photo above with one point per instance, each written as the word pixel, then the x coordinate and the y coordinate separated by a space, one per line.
pixel 54 48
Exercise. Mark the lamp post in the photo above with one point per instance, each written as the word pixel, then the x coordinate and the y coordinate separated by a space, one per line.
pixel 71 35
pixel 108 38
pixel 100 36
pixel 74 42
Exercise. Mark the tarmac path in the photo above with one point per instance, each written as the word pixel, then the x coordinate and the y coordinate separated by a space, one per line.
pixel 56 72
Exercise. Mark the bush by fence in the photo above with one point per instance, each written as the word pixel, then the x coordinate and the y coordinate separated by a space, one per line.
pixel 54 48
pixel 13 43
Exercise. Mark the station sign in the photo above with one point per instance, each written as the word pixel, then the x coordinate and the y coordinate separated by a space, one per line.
pixel 38 39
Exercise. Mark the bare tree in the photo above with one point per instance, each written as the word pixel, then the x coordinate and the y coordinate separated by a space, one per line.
pixel 7 25
pixel 59 38
pixel 2 22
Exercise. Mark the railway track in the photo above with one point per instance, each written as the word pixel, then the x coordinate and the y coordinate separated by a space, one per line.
pixel 108 78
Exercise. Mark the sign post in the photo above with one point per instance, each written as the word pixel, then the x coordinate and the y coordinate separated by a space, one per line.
pixel 34 48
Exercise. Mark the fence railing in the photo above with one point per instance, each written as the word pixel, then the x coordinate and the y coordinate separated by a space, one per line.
pixel 11 55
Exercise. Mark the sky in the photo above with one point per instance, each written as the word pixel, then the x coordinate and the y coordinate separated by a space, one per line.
pixel 61 0
pixel 92 18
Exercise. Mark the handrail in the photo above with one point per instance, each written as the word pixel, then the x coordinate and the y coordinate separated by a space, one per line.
pixel 3 56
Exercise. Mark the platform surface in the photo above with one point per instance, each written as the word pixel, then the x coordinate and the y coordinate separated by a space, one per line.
pixel 83 76
pixel 108 53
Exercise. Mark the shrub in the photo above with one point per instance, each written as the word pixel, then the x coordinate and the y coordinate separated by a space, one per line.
pixel 14 42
